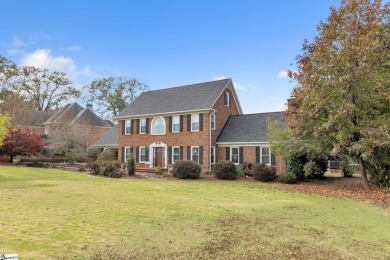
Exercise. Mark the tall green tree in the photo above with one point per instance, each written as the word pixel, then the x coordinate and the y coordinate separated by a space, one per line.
pixel 4 127
pixel 113 94
pixel 44 88
pixel 343 93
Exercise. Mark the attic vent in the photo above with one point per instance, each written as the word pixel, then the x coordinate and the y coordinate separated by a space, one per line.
pixel 90 107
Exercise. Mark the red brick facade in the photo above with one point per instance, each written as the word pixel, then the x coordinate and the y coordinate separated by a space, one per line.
pixel 162 144
pixel 249 155
pixel 185 138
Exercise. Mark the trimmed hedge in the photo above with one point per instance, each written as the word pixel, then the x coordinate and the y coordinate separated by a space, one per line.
pixel 225 170
pixel 264 173
pixel 288 178
pixel 186 170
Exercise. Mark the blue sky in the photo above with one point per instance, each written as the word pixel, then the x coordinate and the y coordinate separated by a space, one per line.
pixel 167 43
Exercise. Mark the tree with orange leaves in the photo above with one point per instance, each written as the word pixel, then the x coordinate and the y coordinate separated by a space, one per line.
pixel 343 92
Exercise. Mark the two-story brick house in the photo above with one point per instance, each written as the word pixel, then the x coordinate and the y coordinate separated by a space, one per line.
pixel 163 126
pixel 201 122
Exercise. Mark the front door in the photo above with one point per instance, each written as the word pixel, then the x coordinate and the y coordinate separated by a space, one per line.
pixel 158 157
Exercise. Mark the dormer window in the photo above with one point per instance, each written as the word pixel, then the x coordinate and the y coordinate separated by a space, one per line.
pixel 227 99
pixel 158 126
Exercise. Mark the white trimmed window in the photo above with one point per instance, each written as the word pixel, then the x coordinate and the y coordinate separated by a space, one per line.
pixel 143 154
pixel 127 127
pixel 158 126
pixel 194 122
pixel 212 121
pixel 175 154
pixel 227 99
pixel 142 126
pixel 212 155
pixel 127 153
pixel 195 153
pixel 235 155
pixel 265 155
pixel 176 124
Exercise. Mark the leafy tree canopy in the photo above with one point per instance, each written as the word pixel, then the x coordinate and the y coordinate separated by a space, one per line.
pixel 4 124
pixel 45 89
pixel 113 94
pixel 343 92
pixel 21 142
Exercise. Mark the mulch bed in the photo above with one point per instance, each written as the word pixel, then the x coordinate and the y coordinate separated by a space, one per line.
pixel 339 187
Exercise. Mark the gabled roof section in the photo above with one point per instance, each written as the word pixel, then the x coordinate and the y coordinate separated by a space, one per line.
pixel 65 114
pixel 31 118
pixel 251 128
pixel 87 117
pixel 76 114
pixel 193 97
pixel 109 140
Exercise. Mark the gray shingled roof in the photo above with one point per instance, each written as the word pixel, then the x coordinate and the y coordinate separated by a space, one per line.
pixel 185 98
pixel 110 139
pixel 76 114
pixel 249 128
pixel 30 118
pixel 88 117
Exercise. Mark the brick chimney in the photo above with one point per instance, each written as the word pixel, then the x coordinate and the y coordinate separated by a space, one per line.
pixel 90 106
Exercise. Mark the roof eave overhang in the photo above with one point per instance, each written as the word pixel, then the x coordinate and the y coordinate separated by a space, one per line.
pixel 105 146
pixel 226 144
pixel 165 113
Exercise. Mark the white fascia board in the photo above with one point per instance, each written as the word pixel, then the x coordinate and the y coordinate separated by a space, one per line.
pixel 166 113
pixel 227 144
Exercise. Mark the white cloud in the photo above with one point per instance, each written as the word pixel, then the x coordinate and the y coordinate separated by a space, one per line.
pixel 42 58
pixel 219 77
pixel 75 48
pixel 283 74
pixel 236 85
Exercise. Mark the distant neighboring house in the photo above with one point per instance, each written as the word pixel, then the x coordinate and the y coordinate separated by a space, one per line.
pixel 200 122
pixel 72 115
pixel 32 119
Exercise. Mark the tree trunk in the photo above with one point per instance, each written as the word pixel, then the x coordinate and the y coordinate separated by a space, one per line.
pixel 364 173
pixel 11 157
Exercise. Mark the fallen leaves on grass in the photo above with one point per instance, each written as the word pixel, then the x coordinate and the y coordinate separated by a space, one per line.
pixel 340 187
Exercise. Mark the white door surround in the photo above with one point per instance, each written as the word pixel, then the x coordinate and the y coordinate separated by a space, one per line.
pixel 165 153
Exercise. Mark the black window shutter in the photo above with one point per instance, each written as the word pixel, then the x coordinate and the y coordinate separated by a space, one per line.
pixel 188 123
pixel 181 152
pixel 200 122
pixel 137 131
pixel 273 160
pixel 123 154
pixel 131 151
pixel 228 153
pixel 188 152
pixel 181 123
pixel 200 155
pixel 123 126
pixel 147 125
pixel 131 127
pixel 170 125
pixel 170 152
pixel 257 154
pixel 147 153
pixel 136 154
pixel 241 155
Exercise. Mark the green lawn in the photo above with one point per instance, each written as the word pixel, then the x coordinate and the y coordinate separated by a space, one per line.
pixel 55 214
